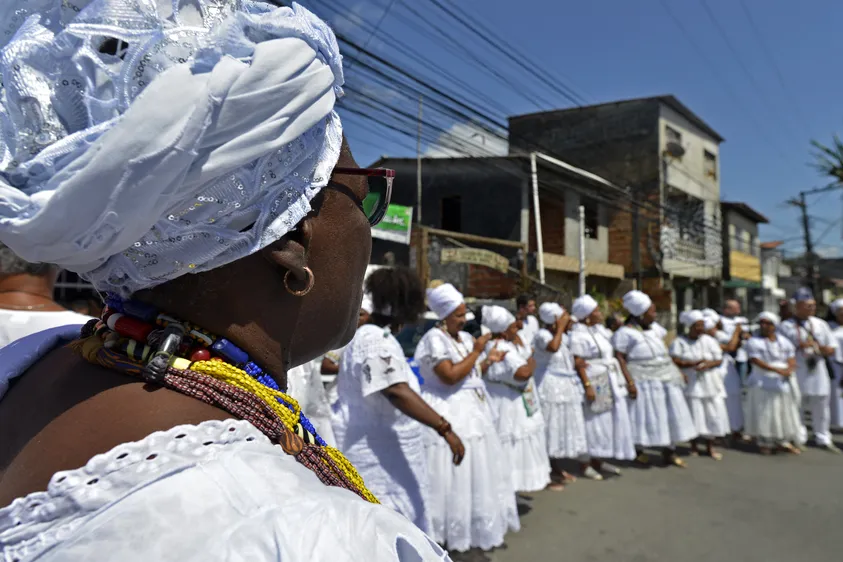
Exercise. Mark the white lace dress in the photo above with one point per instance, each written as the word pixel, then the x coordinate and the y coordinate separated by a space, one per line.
pixel 773 402
pixel 659 415
pixel 561 398
pixel 519 421
pixel 473 504
pixel 385 445
pixel 705 392
pixel 217 491
pixel 608 432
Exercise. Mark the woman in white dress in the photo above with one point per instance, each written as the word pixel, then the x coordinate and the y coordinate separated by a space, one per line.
pixel 607 427
pixel 515 404
pixel 773 398
pixel 699 356
pixel 379 413
pixel 658 410
pixel 329 367
pixel 560 387
pixel 732 382
pixel 836 325
pixel 472 505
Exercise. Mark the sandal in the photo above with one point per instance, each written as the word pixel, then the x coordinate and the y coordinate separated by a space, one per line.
pixel 715 455
pixel 765 451
pixel 676 461
pixel 643 459
pixel 555 487
pixel 568 478
pixel 789 448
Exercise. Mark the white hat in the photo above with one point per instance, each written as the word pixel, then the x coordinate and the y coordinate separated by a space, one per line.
pixel 497 319
pixel 550 312
pixel 709 322
pixel 836 305
pixel 769 317
pixel 583 306
pixel 637 303
pixel 691 317
pixel 443 300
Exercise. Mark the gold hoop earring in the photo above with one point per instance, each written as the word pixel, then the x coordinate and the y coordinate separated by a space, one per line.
pixel 311 280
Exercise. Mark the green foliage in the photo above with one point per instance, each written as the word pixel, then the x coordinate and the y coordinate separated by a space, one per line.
pixel 829 160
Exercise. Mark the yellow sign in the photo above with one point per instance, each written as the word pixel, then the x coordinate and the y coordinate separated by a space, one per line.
pixel 475 256
pixel 744 266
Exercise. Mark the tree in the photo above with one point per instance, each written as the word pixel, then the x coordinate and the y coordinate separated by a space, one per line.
pixel 829 160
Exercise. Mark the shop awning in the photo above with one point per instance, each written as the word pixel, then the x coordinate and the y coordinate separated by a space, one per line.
pixel 741 284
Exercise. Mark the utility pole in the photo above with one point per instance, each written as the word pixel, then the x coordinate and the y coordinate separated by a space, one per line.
pixel 418 166
pixel 582 250
pixel 810 256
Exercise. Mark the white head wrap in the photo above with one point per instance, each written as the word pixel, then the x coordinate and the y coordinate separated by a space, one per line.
pixel 836 305
pixel 768 316
pixel 443 300
pixel 583 306
pixel 201 144
pixel 709 323
pixel 550 312
pixel 691 317
pixel 367 304
pixel 711 313
pixel 637 303
pixel 497 319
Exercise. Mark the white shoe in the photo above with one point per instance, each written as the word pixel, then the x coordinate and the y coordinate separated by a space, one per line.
pixel 592 474
pixel 610 469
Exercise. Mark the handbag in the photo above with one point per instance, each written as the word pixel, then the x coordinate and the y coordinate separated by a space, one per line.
pixel 601 383
pixel 530 399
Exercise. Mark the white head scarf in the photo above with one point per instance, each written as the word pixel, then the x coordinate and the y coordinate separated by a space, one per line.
pixel 497 319
pixel 443 300
pixel 709 323
pixel 836 305
pixel 583 306
pixel 691 317
pixel 550 312
pixel 711 313
pixel 768 316
pixel 637 303
pixel 204 143
pixel 367 304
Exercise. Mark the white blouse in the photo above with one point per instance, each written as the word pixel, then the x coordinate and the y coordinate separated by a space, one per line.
pixel 590 342
pixel 770 352
pixel 559 362
pixel 639 344
pixel 504 371
pixel 437 346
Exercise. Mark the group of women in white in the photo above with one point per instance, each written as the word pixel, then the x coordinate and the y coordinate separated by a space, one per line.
pixel 504 409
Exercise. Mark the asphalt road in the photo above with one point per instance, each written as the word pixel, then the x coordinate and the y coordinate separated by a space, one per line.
pixel 743 508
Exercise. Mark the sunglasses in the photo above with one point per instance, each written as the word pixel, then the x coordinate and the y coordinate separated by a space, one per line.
pixel 376 202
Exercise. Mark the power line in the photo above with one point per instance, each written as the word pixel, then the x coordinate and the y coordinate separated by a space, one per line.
pixel 769 55
pixel 717 74
pixel 737 56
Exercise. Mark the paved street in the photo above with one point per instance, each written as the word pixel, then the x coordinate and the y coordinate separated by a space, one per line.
pixel 744 508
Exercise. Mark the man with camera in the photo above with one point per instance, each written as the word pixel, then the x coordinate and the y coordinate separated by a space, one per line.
pixel 814 342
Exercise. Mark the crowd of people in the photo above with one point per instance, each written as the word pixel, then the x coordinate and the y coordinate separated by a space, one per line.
pixel 500 415
pixel 187 160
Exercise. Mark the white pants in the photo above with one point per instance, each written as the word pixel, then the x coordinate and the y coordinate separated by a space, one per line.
pixel 820 407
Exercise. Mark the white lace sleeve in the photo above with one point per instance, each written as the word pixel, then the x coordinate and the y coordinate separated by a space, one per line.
pixel 382 363
pixel 433 349
pixel 582 344
pixel 622 341
pixel 679 349
pixel 542 339
pixel 504 371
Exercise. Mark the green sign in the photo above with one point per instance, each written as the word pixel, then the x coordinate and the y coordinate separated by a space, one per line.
pixel 396 225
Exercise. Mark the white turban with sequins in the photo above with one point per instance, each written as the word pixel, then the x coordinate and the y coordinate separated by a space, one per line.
pixel 583 306
pixel 550 312
pixel 443 300
pixel 197 136
pixel 637 303
pixel 497 319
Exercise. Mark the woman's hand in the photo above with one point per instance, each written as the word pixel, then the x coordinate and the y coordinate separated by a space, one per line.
pixel 684 377
pixel 480 343
pixel 590 395
pixel 632 389
pixel 457 448
pixel 495 355
pixel 784 371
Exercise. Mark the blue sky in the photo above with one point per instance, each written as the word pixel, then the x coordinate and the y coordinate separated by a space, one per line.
pixel 615 49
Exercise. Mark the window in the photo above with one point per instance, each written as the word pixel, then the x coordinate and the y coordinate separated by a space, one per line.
pixel 592 221
pixel 672 135
pixel 452 213
pixel 738 239
pixel 710 164
pixel 686 214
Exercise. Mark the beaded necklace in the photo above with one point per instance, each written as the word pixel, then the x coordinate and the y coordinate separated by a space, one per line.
pixel 136 339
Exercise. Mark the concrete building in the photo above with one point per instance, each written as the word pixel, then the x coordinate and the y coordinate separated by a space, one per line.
pixel 742 271
pixel 494 197
pixel 773 268
pixel 669 159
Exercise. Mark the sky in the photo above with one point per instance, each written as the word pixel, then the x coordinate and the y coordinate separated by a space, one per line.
pixel 769 88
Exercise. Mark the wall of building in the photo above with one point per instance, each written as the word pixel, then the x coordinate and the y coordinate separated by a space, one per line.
pixel 688 173
pixel 596 249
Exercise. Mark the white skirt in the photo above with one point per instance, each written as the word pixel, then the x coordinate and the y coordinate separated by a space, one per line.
pixel 711 419
pixel 773 415
pixel 734 393
pixel 659 415
pixel 561 399
pixel 609 434
pixel 522 438
pixel 472 505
